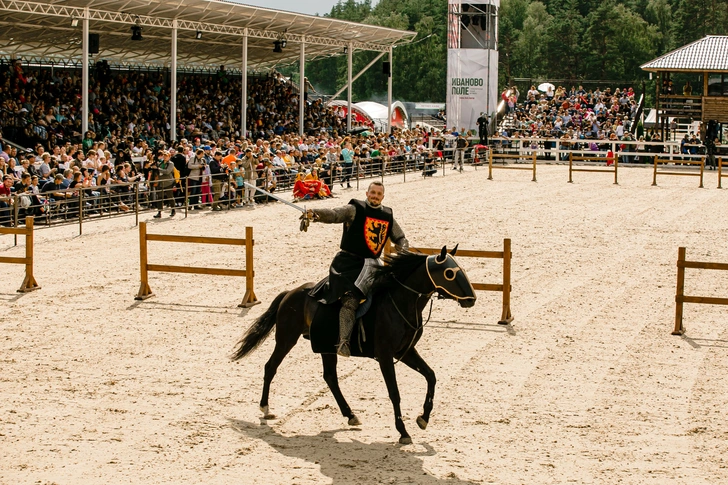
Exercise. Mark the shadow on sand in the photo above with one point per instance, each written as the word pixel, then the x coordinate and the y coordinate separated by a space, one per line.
pixel 182 307
pixel 347 462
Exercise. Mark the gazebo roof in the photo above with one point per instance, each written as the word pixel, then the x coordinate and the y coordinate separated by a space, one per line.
pixel 707 54
pixel 44 31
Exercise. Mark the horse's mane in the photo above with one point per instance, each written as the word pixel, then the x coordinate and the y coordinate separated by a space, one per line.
pixel 397 265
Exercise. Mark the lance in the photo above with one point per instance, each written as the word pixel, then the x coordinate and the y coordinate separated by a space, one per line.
pixel 305 220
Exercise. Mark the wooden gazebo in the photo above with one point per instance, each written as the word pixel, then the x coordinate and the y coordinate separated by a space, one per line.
pixel 705 99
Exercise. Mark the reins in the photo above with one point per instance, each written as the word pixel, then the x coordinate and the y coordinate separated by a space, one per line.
pixel 416 327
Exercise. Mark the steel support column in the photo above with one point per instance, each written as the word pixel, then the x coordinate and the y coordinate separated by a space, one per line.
pixel 173 86
pixel 244 89
pixel 348 84
pixel 389 94
pixel 84 74
pixel 301 88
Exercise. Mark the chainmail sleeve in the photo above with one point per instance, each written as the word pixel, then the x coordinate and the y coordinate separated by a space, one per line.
pixel 337 215
pixel 398 238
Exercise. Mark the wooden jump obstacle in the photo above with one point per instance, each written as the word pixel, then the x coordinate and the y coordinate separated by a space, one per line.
pixel 680 296
pixel 513 156
pixel 505 255
pixel 659 161
pixel 145 291
pixel 720 173
pixel 29 283
pixel 578 158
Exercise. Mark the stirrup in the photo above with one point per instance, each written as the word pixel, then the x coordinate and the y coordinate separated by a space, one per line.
pixel 343 349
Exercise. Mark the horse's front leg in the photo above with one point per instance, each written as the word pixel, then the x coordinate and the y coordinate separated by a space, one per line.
pixel 332 379
pixel 390 378
pixel 414 361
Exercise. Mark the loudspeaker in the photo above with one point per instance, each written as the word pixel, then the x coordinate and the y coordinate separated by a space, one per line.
pixel 93 43
pixel 386 69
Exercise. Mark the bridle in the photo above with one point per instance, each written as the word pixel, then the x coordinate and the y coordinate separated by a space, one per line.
pixel 436 288
pixel 418 325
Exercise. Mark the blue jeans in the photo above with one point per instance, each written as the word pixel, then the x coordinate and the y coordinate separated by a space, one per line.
pixel 193 190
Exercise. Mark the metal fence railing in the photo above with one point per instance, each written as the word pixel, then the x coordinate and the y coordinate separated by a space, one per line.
pixel 85 204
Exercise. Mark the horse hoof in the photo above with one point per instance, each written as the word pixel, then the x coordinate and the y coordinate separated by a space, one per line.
pixel 421 422
pixel 405 440
pixel 354 421
pixel 266 413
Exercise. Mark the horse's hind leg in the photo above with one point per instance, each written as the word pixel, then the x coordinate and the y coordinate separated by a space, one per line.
pixel 284 345
pixel 332 379
pixel 414 361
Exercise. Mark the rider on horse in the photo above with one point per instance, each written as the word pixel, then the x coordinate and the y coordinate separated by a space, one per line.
pixel 367 226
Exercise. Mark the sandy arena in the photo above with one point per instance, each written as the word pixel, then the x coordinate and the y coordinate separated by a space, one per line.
pixel 587 386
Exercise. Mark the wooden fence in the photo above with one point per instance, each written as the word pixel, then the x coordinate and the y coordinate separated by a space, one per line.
pixel 145 291
pixel 505 287
pixel 578 158
pixel 680 296
pixel 29 283
pixel 659 161
pixel 491 156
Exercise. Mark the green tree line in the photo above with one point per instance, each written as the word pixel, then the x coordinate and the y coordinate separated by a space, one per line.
pixel 546 39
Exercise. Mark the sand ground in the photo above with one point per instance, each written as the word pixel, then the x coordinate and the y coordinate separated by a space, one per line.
pixel 587 386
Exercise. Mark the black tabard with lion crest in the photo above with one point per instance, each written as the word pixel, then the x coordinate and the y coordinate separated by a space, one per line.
pixel 363 239
pixel 368 234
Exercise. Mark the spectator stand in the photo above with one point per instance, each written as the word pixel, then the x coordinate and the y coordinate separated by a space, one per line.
pixel 233 36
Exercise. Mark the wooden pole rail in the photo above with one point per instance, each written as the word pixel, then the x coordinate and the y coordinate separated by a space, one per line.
pixel 146 292
pixel 505 287
pixel 659 161
pixel 578 158
pixel 720 173
pixel 29 283
pixel 681 298
pixel 491 156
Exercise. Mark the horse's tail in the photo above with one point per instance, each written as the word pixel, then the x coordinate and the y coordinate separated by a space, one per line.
pixel 260 329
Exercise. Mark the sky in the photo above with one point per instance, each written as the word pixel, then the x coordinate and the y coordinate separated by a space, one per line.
pixel 311 7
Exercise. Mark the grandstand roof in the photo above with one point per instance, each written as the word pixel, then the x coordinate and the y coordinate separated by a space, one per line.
pixel 43 31
pixel 707 54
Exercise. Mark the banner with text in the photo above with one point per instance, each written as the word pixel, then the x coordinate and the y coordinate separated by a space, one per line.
pixel 472 86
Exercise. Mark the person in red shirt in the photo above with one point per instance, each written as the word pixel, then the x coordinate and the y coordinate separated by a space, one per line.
pixel 6 201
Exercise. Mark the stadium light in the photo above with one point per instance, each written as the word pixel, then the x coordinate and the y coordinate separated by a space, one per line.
pixel 74 23
pixel 198 35
pixel 136 32
pixel 277 46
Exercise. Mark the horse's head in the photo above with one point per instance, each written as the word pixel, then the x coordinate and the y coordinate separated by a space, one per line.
pixel 449 278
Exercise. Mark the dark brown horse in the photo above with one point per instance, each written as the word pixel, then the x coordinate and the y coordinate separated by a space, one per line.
pixel 406 283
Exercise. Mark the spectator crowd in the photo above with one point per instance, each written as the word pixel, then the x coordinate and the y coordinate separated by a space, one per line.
pixel 575 112
pixel 199 172
pixel 42 106
pixel 125 160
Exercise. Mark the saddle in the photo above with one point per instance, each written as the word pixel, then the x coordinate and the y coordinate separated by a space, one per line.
pixel 324 330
